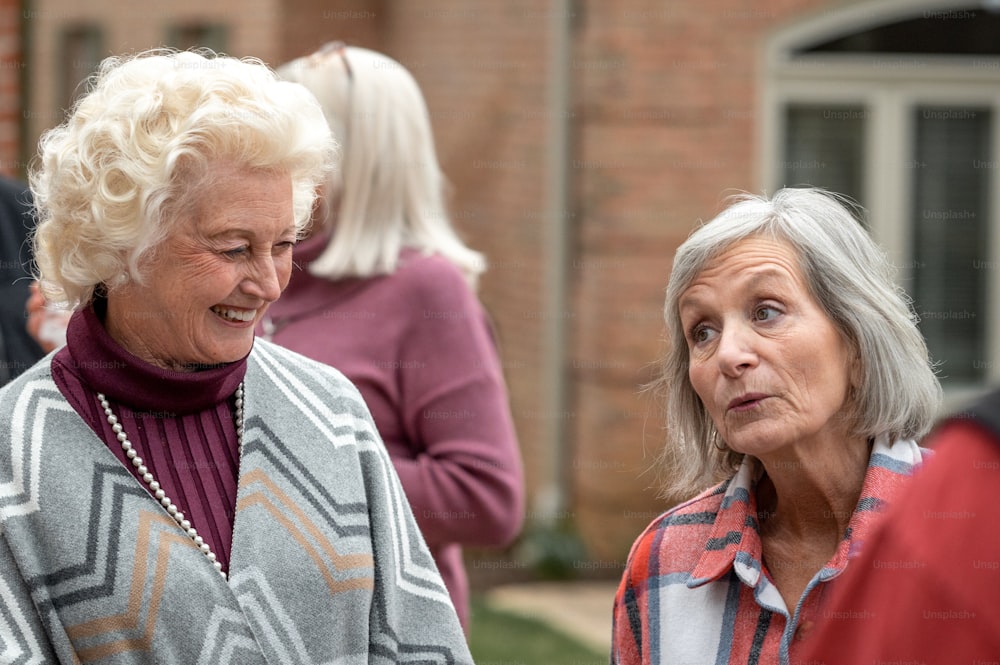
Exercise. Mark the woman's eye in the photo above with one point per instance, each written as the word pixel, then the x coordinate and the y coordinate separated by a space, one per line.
pixel 701 334
pixel 236 252
pixel 765 313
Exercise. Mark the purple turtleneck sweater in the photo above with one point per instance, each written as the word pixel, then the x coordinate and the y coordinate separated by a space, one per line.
pixel 180 423
pixel 419 347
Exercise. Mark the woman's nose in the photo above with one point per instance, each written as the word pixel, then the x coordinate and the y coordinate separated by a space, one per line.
pixel 736 351
pixel 263 282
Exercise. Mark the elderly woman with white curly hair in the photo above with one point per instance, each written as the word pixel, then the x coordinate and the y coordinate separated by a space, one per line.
pixel 797 377
pixel 172 490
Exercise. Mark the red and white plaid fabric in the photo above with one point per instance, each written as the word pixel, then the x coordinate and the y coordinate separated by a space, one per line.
pixel 695 592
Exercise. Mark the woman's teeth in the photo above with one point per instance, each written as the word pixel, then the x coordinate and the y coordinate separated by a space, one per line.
pixel 235 314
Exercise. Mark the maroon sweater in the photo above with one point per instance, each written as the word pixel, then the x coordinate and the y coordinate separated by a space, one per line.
pixel 417 345
pixel 180 423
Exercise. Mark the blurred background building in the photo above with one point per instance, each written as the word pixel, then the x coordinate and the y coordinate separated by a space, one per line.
pixel 585 139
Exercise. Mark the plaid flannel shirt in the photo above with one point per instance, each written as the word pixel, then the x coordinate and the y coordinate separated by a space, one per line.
pixel 695 592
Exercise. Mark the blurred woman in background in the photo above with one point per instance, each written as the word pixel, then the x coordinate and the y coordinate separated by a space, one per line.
pixel 385 291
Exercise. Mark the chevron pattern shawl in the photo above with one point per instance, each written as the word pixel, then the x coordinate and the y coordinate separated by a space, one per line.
pixel 327 563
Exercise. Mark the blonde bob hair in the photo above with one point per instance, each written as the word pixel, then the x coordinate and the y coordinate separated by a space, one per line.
pixel 389 192
pixel 897 393
pixel 139 147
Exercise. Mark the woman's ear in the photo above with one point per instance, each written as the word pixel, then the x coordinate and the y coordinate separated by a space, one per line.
pixel 855 372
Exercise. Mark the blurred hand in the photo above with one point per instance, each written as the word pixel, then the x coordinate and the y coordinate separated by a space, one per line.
pixel 46 324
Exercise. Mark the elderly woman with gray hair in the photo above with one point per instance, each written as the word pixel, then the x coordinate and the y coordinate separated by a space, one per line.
pixel 797 377
pixel 171 490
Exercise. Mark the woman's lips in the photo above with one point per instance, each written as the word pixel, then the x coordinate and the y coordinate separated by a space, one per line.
pixel 746 402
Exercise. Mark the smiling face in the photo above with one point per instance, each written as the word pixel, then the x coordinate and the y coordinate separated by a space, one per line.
pixel 772 370
pixel 210 281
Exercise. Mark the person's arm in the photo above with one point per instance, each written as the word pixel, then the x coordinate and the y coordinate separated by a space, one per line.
pixel 45 324
pixel 465 483
pixel 22 634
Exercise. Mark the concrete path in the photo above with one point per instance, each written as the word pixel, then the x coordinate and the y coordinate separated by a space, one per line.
pixel 580 609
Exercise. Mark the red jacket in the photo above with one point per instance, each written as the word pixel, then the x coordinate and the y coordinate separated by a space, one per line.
pixel 697 590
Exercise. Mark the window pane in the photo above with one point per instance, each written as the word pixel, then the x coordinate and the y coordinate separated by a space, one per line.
pixel 824 147
pixel 950 236
pixel 196 35
pixel 80 54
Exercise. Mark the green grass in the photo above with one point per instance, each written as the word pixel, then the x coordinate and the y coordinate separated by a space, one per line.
pixel 502 638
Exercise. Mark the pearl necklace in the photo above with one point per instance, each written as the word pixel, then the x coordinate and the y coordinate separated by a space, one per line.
pixel 154 486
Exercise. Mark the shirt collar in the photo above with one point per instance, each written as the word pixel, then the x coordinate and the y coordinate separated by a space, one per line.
pixel 105 366
pixel 734 542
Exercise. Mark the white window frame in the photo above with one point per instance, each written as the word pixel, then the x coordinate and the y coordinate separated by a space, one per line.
pixel 889 86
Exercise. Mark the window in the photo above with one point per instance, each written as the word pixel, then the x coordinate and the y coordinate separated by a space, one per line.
pixel 949 235
pixel 193 35
pixel 80 54
pixel 824 147
pixel 897 105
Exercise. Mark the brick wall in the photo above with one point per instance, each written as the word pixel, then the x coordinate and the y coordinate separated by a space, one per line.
pixel 250 28
pixel 11 67
pixel 306 25
pixel 663 119
pixel 482 68
pixel 662 116
pixel 666 119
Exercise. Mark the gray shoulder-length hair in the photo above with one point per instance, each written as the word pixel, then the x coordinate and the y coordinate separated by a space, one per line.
pixel 849 276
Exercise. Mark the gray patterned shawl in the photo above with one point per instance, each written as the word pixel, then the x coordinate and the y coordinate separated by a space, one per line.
pixel 327 563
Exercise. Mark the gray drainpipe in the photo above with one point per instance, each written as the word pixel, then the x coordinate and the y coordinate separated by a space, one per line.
pixel 552 501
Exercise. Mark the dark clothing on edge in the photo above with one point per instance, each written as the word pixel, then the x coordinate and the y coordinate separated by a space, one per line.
pixel 18 350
